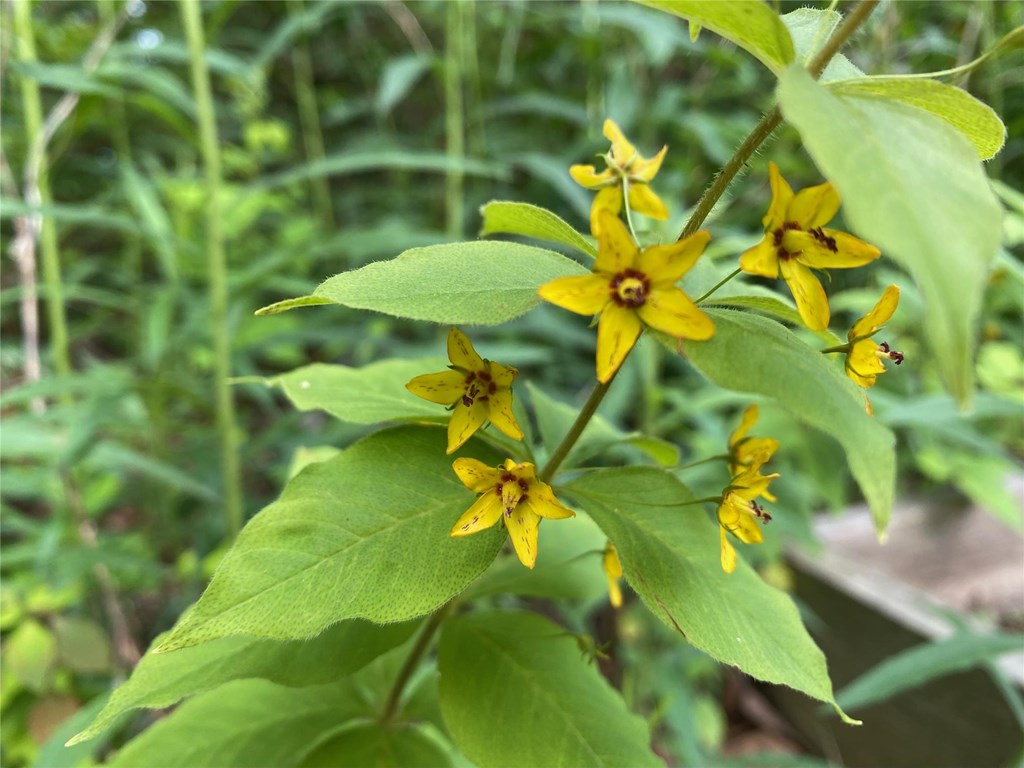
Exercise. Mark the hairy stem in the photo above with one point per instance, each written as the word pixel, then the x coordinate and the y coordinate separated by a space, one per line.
pixel 582 419
pixel 216 266
pixel 718 285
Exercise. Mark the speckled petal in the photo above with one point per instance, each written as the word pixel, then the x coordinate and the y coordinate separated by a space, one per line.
pixel 461 352
pixel 762 259
pixel 582 294
pixel 544 504
pixel 476 475
pixel 502 375
pixel 443 388
pixel 484 513
pixel 814 206
pixel 782 194
pixel 643 199
pixel 811 301
pixel 617 332
pixel 670 311
pixel 464 422
pixel 665 264
pixel 501 416
pixel 616 250
pixel 523 527
pixel 849 250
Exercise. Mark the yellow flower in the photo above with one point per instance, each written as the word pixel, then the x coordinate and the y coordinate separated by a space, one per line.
pixel 512 489
pixel 626 169
pixel 864 356
pixel 739 512
pixel 795 242
pixel 631 288
pixel 477 390
pixel 613 571
pixel 746 452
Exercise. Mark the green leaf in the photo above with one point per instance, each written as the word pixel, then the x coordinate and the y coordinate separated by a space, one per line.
pixel 162 679
pixel 976 120
pixel 767 305
pixel 30 653
pixel 750 24
pixel 243 724
pixel 916 666
pixel 64 77
pixel 475 283
pixel 366 395
pixel 670 556
pixel 912 186
pixel 502 217
pixel 380 746
pixel 515 690
pixel 810 29
pixel 284 306
pixel 753 354
pixel 398 78
pixel 359 536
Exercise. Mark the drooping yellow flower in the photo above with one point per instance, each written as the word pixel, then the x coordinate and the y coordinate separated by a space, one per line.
pixel 795 242
pixel 613 571
pixel 863 355
pixel 477 390
pixel 739 512
pixel 511 493
pixel 632 288
pixel 746 452
pixel 626 169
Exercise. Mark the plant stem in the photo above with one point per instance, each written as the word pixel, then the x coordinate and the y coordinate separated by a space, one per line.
pixel 582 419
pixel 454 141
pixel 851 22
pixel 309 120
pixel 37 193
pixel 216 266
pixel 718 285
pixel 412 661
pixel 717 457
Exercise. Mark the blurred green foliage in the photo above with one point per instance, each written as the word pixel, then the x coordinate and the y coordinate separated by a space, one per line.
pixel 333 137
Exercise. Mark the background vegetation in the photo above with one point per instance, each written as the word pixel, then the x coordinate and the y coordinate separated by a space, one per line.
pixel 347 133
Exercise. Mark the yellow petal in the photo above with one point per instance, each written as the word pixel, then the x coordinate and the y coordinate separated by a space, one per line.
pixel 461 352
pixel 582 294
pixel 502 375
pixel 613 571
pixel 523 470
pixel 841 251
pixel 734 515
pixel 511 492
pixel 762 259
pixel 642 199
pixel 645 170
pixel 814 206
pixel 728 553
pixel 622 150
pixel 444 388
pixel 483 514
pixel 665 264
pixel 752 453
pixel 587 176
pixel 608 199
pixel 523 527
pixel 782 194
pixel 501 416
pixel 877 317
pixel 811 301
pixel 747 420
pixel 476 475
pixel 617 332
pixel 464 422
pixel 616 250
pixel 542 501
pixel 670 310
pixel 862 364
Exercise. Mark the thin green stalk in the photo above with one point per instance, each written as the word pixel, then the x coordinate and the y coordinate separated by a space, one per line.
pixel 454 118
pixel 309 120
pixel 39 187
pixel 582 419
pixel 716 457
pixel 412 661
pixel 216 266
pixel 718 285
